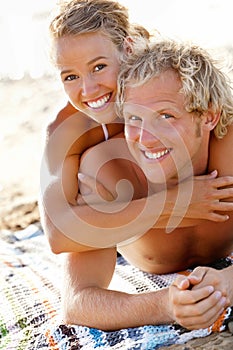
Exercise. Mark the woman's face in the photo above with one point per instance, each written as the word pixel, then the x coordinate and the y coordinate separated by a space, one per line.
pixel 89 64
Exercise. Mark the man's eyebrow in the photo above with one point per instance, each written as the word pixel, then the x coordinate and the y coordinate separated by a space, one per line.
pixel 66 71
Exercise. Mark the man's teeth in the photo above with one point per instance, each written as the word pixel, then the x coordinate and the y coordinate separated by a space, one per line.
pixel 156 155
pixel 99 103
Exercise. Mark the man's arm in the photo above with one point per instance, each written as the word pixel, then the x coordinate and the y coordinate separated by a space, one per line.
pixel 87 301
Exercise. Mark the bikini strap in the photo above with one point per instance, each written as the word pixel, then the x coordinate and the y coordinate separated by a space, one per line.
pixel 105 131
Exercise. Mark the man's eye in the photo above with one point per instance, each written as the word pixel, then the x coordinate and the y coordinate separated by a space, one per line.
pixel 99 67
pixel 71 77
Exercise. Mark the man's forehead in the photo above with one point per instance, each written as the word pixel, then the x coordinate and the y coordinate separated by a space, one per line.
pixel 135 108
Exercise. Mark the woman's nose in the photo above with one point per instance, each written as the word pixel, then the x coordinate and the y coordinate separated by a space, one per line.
pixel 89 87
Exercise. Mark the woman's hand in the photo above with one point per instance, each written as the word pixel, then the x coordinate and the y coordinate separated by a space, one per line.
pixel 92 191
pixel 211 197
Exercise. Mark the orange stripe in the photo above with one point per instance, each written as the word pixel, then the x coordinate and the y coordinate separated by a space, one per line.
pixel 52 343
pixel 216 327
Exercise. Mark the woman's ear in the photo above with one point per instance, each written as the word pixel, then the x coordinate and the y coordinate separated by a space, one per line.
pixel 211 119
pixel 128 45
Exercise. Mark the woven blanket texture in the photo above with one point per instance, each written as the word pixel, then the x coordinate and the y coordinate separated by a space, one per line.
pixel 30 277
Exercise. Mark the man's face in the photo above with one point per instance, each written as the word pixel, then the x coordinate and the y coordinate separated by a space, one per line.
pixel 165 140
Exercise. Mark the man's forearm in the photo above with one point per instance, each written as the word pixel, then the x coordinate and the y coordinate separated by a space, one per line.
pixel 111 310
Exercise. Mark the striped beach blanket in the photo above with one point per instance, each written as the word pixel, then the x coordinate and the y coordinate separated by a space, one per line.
pixel 30 278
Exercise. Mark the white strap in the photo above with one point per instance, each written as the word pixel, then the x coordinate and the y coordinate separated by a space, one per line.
pixel 105 131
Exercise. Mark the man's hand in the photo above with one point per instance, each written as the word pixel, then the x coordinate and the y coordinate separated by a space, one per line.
pixel 199 299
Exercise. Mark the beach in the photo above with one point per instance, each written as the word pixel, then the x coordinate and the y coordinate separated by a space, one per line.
pixel 29 101
pixel 27 105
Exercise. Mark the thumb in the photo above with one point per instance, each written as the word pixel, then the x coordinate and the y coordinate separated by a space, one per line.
pixel 197 275
pixel 182 282
pixel 88 181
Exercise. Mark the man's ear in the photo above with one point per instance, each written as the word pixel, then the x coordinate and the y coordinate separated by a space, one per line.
pixel 211 119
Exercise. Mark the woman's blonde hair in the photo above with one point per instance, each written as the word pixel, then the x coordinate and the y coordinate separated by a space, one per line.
pixel 203 84
pixel 87 16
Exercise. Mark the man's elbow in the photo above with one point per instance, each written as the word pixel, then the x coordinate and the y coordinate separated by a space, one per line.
pixel 55 240
pixel 59 243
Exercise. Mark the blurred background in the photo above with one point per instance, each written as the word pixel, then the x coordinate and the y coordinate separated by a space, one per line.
pixel 30 93
pixel 23 28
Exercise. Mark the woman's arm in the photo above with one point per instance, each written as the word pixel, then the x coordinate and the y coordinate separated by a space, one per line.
pixel 106 224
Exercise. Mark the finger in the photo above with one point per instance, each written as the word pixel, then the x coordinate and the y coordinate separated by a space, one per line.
pixel 87 180
pixel 182 282
pixel 204 314
pixel 216 217
pixel 89 199
pixel 197 275
pixel 187 297
pixel 223 206
pixel 223 181
pixel 210 176
pixel 223 193
pixel 200 322
pixel 80 200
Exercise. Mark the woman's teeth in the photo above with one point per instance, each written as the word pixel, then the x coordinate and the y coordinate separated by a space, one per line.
pixel 156 155
pixel 99 103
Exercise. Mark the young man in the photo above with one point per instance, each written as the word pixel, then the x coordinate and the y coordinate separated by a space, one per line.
pixel 89 40
pixel 172 97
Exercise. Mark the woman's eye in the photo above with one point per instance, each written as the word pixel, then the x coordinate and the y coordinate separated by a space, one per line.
pixel 134 118
pixel 99 67
pixel 71 77
pixel 166 116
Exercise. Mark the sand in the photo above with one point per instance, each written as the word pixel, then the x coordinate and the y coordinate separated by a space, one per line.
pixel 26 107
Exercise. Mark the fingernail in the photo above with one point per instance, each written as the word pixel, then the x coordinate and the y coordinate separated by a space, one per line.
pixel 81 176
pixel 218 295
pixel 223 301
pixel 210 289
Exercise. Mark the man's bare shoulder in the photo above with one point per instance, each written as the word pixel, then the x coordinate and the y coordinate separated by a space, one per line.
pixel 221 152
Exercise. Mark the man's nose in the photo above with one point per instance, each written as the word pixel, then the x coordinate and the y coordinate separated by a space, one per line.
pixel 147 138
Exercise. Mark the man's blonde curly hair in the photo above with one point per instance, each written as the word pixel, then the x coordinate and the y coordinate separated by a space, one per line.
pixel 203 84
